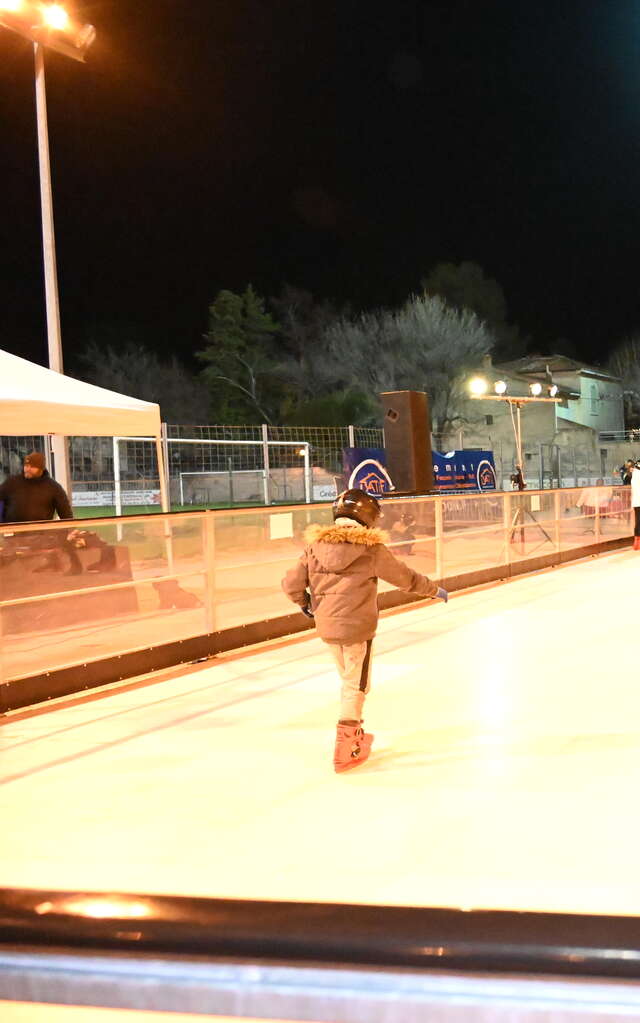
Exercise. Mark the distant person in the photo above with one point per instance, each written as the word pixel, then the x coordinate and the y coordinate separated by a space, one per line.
pixel 34 496
pixel 626 471
pixel 635 501
pixel 593 499
pixel 340 566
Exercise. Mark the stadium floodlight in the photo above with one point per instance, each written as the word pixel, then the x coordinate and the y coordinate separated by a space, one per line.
pixel 478 386
pixel 48 24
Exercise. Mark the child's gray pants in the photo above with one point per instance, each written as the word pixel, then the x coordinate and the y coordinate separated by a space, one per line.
pixel 353 661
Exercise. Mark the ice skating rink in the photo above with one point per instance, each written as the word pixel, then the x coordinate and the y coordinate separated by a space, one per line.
pixel 505 771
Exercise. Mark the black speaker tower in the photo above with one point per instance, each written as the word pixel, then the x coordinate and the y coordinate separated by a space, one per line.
pixel 407 440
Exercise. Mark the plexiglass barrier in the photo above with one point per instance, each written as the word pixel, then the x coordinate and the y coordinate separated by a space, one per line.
pixel 72 595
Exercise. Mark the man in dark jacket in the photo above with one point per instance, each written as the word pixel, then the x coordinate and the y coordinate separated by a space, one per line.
pixel 33 496
pixel 341 565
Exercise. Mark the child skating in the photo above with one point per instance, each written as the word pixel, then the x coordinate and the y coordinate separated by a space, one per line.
pixel 335 581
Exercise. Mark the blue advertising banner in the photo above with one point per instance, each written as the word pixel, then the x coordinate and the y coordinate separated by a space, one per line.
pixel 471 470
pixel 464 470
pixel 364 468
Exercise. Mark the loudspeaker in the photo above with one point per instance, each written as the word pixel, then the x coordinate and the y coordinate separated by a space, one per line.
pixel 407 440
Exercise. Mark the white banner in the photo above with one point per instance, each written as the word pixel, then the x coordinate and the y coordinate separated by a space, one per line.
pixel 102 498
pixel 325 492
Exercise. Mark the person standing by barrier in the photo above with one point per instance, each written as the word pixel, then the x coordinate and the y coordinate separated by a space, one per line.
pixel 635 501
pixel 34 496
pixel 340 566
pixel 626 470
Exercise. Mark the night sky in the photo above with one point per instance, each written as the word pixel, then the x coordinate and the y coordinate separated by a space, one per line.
pixel 344 147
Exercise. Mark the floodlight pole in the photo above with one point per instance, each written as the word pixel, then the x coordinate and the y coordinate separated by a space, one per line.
pixel 517 402
pixel 59 444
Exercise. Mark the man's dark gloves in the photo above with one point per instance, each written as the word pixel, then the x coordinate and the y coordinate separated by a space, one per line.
pixel 306 608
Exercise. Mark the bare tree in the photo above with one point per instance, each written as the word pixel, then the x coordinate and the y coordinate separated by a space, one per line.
pixel 304 361
pixel 426 345
pixel 624 362
pixel 137 371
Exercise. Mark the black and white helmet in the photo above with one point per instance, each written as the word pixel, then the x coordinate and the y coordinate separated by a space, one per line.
pixel 357 505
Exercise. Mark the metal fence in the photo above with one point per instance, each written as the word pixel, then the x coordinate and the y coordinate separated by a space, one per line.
pixel 208 466
pixel 227 466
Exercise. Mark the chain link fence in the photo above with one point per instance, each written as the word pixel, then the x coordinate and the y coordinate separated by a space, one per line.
pixel 225 466
pixel 208 466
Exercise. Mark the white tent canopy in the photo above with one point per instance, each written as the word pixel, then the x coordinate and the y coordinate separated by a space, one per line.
pixel 37 401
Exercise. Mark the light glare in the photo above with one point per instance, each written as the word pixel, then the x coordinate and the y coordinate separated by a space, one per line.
pixel 55 16
pixel 553 390
pixel 10 5
pixel 478 385
pixel 500 387
pixel 535 389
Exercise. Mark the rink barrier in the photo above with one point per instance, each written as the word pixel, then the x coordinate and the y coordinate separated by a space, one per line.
pixel 26 692
pixel 394 936
pixel 473 521
pixel 311 960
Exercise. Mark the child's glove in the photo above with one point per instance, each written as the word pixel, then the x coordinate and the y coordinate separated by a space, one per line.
pixel 442 594
pixel 306 608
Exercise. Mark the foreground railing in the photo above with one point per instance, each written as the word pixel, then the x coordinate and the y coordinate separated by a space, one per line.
pixel 85 606
pixel 314 961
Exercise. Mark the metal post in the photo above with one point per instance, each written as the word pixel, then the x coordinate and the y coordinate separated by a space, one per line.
pixel 540 467
pixel 439 538
pixel 208 526
pixel 307 474
pixel 556 512
pixel 48 452
pixel 507 525
pixel 117 490
pixel 167 467
pixel 352 436
pixel 162 476
pixel 231 494
pixel 265 460
pixel 59 444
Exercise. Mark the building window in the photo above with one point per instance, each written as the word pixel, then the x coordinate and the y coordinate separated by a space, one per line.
pixel 594 399
pixel 489 420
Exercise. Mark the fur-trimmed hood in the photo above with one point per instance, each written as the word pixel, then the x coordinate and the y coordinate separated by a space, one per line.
pixel 337 547
pixel 341 565
pixel 367 537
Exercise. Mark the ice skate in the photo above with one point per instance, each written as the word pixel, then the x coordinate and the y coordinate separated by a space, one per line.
pixel 353 746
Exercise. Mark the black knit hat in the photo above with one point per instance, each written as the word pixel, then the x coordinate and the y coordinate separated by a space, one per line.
pixel 35 459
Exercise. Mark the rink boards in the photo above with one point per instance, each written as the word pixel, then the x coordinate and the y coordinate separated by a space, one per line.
pixel 152 591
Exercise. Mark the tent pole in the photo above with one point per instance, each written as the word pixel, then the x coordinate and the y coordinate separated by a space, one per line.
pixel 117 489
pixel 162 473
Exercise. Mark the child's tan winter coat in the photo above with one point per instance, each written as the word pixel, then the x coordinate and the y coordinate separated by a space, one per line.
pixel 341 565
